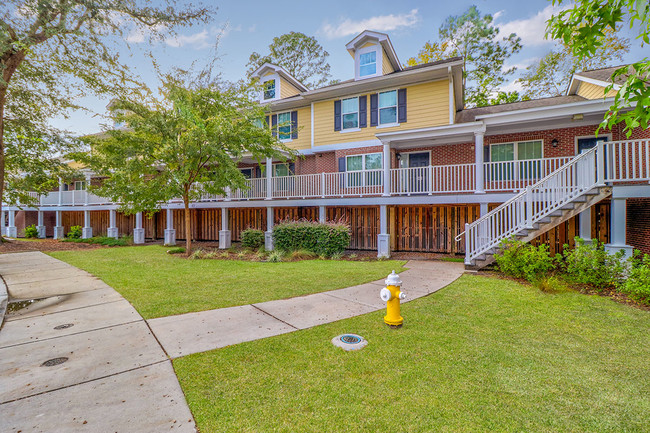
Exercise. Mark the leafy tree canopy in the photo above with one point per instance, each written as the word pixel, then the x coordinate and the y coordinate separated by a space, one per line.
pixel 300 55
pixel 584 26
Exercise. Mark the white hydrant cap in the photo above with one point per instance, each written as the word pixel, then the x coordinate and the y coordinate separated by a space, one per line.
pixel 393 280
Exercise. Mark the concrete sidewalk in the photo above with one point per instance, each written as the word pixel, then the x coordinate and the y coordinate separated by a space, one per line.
pixel 116 377
pixel 206 330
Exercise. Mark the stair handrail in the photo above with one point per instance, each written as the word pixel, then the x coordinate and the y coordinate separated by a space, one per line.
pixel 527 193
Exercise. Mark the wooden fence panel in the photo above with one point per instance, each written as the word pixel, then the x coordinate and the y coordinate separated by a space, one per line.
pixel 364 224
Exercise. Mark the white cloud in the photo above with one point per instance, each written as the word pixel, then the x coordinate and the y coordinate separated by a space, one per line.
pixel 520 65
pixel 380 23
pixel 531 30
pixel 196 40
pixel 513 86
pixel 252 28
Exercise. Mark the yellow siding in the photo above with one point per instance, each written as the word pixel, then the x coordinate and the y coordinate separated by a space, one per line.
pixel 287 89
pixel 426 105
pixel 593 91
pixel 304 129
pixel 386 67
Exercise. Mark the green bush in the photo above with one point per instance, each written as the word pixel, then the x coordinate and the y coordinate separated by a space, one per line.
pixel 589 264
pixel 522 260
pixel 176 250
pixel 637 285
pixel 323 239
pixel 31 231
pixel 252 238
pixel 74 233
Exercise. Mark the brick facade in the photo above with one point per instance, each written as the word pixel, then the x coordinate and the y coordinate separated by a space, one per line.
pixel 638 224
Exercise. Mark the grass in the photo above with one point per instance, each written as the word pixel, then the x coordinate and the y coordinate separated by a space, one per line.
pixel 159 284
pixel 484 354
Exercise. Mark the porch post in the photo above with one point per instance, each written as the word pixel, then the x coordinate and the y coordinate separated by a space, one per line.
pixel 87 230
pixel 41 225
pixel 3 229
pixel 478 158
pixel 387 162
pixel 138 231
pixel 268 235
pixel 12 231
pixel 225 237
pixel 269 178
pixel 58 228
pixel 322 214
pixel 86 190
pixel 112 225
pixel 60 192
pixel 383 238
pixel 170 232
pixel 617 227
pixel 585 224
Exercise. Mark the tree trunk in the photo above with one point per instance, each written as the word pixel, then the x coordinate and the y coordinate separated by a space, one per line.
pixel 188 228
pixel 3 95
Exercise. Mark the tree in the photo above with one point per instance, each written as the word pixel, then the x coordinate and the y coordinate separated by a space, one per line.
pixel 551 75
pixel 182 145
pixel 474 37
pixel 52 52
pixel 584 25
pixel 300 55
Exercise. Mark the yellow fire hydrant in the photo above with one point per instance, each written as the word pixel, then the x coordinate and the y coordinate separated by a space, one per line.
pixel 392 295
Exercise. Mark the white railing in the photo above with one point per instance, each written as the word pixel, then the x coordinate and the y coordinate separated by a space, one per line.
pixel 353 183
pixel 434 179
pixel 627 161
pixel 256 190
pixel 535 202
pixel 299 186
pixel 516 175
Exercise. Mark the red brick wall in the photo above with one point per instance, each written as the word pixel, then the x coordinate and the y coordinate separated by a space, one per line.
pixel 638 224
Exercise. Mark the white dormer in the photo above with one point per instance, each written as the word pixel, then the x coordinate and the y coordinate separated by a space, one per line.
pixel 373 55
pixel 276 83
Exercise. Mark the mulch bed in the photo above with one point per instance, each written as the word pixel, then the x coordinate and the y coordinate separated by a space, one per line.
pixel 20 246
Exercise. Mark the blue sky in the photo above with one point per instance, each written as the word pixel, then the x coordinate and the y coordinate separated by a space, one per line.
pixel 246 26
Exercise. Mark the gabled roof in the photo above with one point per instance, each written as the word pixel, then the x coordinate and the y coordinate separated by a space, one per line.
pixel 470 114
pixel 382 38
pixel 269 67
pixel 601 77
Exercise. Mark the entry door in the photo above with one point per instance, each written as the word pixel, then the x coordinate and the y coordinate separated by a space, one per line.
pixel 419 178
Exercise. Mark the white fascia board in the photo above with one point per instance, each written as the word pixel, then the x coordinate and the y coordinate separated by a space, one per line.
pixel 596 82
pixel 551 111
pixel 280 71
pixel 433 132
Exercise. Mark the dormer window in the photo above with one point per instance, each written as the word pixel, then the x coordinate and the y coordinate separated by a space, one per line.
pixel 368 64
pixel 269 89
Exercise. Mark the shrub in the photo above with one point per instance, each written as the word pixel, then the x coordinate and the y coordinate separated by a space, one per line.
pixel 551 284
pixel 252 238
pixel 74 233
pixel 323 239
pixel 31 231
pixel 589 264
pixel 176 250
pixel 637 285
pixel 522 260
pixel 275 256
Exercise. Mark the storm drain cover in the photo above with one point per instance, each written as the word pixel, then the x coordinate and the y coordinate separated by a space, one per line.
pixel 64 326
pixel 54 361
pixel 349 342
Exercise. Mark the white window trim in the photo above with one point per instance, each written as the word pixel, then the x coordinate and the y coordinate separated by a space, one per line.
pixel 356 128
pixel 275 164
pixel 516 148
pixel 83 184
pixel 363 169
pixel 357 62
pixel 395 123
pixel 408 155
pixel 285 140
pixel 278 88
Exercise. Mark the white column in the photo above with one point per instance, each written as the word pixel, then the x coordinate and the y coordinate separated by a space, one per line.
pixel 483 209
pixel 3 229
pixel 584 227
pixel 41 225
pixel 138 231
pixel 322 214
pixel 60 192
pixel 269 178
pixel 170 232
pixel 86 190
pixel 383 238
pixel 87 230
pixel 58 228
pixel 478 158
pixel 112 225
pixel 618 226
pixel 225 236
pixel 12 231
pixel 268 235
pixel 387 162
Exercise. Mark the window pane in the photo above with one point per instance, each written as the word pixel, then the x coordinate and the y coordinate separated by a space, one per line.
pixel 350 120
pixel 388 115
pixel 350 105
pixel 269 89
pixel 373 161
pixel 281 170
pixel 354 163
pixel 529 150
pixel 388 99
pixel 503 152
pixel 370 69
pixel 366 58
pixel 284 120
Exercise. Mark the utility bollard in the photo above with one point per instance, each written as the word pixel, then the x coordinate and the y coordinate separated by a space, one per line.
pixel 392 295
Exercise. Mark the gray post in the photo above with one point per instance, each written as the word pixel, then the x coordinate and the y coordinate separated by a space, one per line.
pixel 383 238
pixel 322 214
pixel 12 231
pixel 618 226
pixel 585 224
pixel 58 228
pixel 112 225
pixel 269 178
pixel 386 169
pixel 3 228
pixel 478 157
pixel 41 225
pixel 268 235
pixel 87 230
pixel 170 232
pixel 225 236
pixel 138 231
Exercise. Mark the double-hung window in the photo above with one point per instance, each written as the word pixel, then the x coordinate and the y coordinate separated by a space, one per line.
pixel 284 126
pixel 388 108
pixel 519 153
pixel 356 164
pixel 350 113
pixel 368 64
pixel 79 185
pixel 269 90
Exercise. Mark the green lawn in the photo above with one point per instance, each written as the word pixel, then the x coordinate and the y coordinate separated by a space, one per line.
pixel 481 355
pixel 159 284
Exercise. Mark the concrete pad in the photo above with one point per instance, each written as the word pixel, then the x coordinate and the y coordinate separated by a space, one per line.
pixel 72 301
pixel 44 275
pixel 367 294
pixel 92 355
pixel 312 310
pixel 146 400
pixel 31 329
pixel 31 256
pixel 32 267
pixel 198 332
pixel 63 286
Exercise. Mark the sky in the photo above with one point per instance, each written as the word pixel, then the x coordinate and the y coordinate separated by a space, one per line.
pixel 246 26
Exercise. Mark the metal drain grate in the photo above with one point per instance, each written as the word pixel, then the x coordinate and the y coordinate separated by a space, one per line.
pixel 351 339
pixel 54 361
pixel 64 326
pixel 349 342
